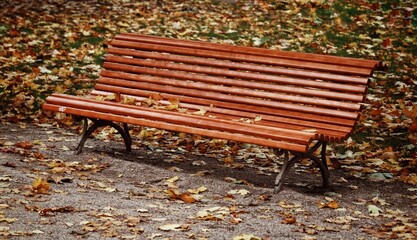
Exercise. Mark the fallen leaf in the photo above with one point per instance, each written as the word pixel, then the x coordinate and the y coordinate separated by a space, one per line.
pixel 242 192
pixel 289 220
pixel 185 197
pixel 374 210
pixel 173 179
pixel 198 190
pixel 174 227
pixel 332 204
pixel 40 185
pixel 24 145
pixel 201 112
pixel 246 237
pixel 50 211
pixel 174 104
pixel 7 220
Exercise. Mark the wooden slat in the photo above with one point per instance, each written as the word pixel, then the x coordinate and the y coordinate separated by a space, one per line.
pixel 246 58
pixel 372 64
pixel 302 124
pixel 234 91
pixel 185 129
pixel 111 62
pixel 349 122
pixel 181 118
pixel 227 98
pixel 324 131
pixel 235 82
pixel 241 66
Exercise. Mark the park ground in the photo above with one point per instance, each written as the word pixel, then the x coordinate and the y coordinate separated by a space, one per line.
pixel 178 186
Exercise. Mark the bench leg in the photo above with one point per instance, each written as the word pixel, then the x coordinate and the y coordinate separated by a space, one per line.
pixel 289 163
pixel 87 131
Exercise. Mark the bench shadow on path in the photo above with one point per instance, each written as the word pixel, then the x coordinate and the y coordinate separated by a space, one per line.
pixel 306 183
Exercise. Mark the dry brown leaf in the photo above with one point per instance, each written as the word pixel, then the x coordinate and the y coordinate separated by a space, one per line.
pixel 24 145
pixel 289 220
pixel 332 204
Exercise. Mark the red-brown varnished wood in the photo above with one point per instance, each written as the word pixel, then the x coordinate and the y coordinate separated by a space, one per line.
pixel 322 130
pixel 182 119
pixel 268 97
pixel 234 90
pixel 238 65
pixel 343 121
pixel 342 69
pixel 256 51
pixel 179 128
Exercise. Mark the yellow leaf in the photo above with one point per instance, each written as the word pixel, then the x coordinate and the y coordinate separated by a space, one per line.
pixel 128 100
pixel 310 130
pixel 110 97
pixel 100 97
pixel 40 185
pixel 246 237
pixel 201 112
pixel 174 227
pixel 374 210
pixel 173 179
pixel 198 190
pixel 174 104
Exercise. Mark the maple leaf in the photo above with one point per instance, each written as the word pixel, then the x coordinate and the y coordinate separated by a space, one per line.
pixel 174 104
pixel 386 43
pixel 40 185
pixel 413 127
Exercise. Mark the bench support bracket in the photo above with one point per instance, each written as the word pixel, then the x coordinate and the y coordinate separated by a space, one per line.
pixel 88 130
pixel 289 163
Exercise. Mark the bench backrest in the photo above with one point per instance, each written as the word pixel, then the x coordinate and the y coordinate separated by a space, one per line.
pixel 300 91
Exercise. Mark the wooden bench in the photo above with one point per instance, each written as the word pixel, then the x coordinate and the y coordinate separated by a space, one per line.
pixel 294 103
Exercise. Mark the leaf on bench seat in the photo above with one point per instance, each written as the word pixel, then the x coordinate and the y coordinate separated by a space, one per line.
pixel 310 130
pixel 149 102
pixel 175 103
pixel 201 112
pixel 128 100
pixel 250 120
pixel 258 118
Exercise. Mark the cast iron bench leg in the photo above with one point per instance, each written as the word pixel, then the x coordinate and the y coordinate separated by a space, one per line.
pixel 289 163
pixel 87 131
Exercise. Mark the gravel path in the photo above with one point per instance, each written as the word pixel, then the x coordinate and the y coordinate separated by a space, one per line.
pixel 105 193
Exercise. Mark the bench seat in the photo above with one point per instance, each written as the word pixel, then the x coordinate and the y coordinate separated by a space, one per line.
pixel 292 102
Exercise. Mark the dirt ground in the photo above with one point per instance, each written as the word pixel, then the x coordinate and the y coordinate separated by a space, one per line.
pixel 160 193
